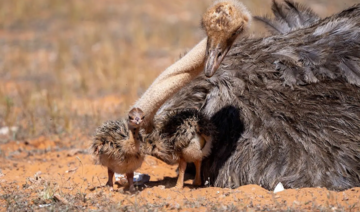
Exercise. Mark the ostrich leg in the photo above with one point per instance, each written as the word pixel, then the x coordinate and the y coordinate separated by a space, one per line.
pixel 110 178
pixel 197 180
pixel 180 180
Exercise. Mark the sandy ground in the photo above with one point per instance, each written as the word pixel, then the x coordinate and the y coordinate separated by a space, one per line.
pixel 68 66
pixel 35 174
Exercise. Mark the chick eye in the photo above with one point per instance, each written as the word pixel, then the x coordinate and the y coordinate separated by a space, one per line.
pixel 238 31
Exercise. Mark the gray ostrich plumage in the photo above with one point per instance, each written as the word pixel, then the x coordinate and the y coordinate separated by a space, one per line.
pixel 287 106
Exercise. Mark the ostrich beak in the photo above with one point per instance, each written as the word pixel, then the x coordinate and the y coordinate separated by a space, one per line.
pixel 137 120
pixel 214 59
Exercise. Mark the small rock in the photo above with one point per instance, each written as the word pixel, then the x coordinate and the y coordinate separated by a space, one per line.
pixel 75 152
pixel 139 179
pixel 90 196
pixel 60 198
pixel 44 205
pixel 279 187
pixel 71 170
pixel 177 206
pixel 296 202
pixel 7 130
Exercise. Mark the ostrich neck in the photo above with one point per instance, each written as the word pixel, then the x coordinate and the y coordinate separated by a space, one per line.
pixel 135 131
pixel 134 135
pixel 171 80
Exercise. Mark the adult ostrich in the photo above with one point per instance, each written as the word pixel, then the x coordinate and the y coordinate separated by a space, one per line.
pixel 286 107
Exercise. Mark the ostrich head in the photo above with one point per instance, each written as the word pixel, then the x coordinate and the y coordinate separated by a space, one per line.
pixel 136 117
pixel 223 22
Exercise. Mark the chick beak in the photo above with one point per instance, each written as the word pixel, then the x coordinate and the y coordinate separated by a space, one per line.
pixel 214 59
pixel 137 120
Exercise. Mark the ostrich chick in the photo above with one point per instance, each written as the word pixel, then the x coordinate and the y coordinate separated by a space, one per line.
pixel 184 137
pixel 223 22
pixel 118 150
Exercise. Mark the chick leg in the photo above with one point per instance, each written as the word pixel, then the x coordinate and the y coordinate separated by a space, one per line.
pixel 130 178
pixel 197 180
pixel 180 180
pixel 110 178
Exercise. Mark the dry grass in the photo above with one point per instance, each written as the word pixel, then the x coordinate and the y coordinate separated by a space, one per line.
pixel 67 66
pixel 55 55
pixel 59 59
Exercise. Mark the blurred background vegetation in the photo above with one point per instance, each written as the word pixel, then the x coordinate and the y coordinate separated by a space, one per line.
pixel 67 66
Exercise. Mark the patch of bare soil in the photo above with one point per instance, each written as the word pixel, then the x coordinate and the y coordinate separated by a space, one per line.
pixel 68 66
pixel 35 175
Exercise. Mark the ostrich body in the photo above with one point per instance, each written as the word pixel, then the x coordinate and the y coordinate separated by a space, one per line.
pixel 286 107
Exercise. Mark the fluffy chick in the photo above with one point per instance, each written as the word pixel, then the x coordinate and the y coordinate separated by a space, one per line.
pixel 184 136
pixel 115 148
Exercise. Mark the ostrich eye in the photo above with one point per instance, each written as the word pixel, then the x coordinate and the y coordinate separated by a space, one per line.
pixel 131 118
pixel 143 117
